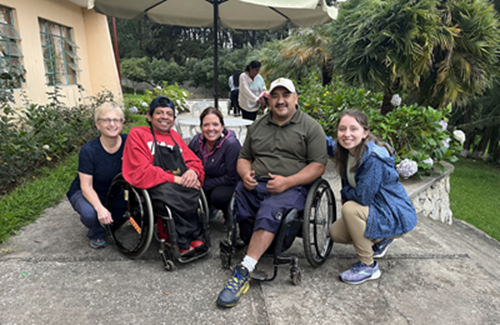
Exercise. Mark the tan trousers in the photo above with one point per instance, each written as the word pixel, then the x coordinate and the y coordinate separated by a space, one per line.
pixel 350 229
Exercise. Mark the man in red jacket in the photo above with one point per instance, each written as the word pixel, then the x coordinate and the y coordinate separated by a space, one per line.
pixel 157 159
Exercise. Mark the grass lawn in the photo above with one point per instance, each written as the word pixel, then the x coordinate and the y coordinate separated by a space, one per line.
pixel 475 195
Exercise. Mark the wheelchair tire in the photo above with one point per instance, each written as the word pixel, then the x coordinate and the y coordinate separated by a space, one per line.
pixel 134 231
pixel 319 214
pixel 204 206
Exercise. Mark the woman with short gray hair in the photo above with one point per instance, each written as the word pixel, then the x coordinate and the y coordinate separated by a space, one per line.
pixel 100 160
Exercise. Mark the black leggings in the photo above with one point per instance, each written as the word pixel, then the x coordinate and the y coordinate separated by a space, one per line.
pixel 220 196
pixel 234 101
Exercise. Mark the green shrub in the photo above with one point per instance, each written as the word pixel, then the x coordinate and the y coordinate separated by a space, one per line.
pixel 325 103
pixel 416 133
pixel 33 135
pixel 419 134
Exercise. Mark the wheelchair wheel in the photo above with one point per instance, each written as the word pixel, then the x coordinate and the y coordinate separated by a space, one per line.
pixel 134 230
pixel 203 205
pixel 319 215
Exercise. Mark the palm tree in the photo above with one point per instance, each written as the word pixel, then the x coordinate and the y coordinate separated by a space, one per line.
pixel 442 51
pixel 297 56
pixel 309 46
pixel 467 68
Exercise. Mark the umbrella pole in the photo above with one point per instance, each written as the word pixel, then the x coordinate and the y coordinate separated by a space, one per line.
pixel 216 54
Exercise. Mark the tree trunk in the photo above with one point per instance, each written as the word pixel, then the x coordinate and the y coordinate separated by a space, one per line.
pixel 494 149
pixel 386 103
pixel 326 74
pixel 483 144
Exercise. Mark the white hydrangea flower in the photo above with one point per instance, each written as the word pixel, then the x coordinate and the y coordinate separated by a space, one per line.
pixel 407 168
pixel 46 147
pixel 444 125
pixel 428 161
pixel 395 100
pixel 133 110
pixel 446 142
pixel 459 135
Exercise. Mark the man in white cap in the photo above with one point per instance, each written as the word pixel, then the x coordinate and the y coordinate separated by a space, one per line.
pixel 284 152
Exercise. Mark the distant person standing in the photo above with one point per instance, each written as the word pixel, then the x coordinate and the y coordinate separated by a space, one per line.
pixel 252 91
pixel 234 85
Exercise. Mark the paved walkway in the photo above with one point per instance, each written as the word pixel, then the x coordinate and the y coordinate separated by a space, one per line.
pixel 437 274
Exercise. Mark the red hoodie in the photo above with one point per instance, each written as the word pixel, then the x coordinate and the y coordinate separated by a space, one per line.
pixel 138 168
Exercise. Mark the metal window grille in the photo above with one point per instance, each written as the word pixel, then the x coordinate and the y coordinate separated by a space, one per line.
pixel 59 56
pixel 10 52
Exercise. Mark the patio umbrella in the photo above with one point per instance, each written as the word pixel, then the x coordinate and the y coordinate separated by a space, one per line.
pixel 236 14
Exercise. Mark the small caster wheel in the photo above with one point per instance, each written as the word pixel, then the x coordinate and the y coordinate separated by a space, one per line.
pixel 169 265
pixel 295 275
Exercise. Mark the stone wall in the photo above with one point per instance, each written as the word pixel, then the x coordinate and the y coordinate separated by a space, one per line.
pixel 430 195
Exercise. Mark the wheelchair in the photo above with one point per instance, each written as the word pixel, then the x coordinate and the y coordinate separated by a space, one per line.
pixel 142 220
pixel 312 224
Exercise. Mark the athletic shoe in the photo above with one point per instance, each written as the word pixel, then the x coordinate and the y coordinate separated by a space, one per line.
pixel 198 245
pixel 379 249
pixel 360 272
pixel 97 243
pixel 235 288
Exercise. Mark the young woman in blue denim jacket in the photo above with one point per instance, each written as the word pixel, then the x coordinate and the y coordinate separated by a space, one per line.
pixel 376 208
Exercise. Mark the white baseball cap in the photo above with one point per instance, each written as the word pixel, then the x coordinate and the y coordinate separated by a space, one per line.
pixel 283 82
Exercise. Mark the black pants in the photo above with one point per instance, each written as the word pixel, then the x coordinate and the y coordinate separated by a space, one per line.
pixel 235 104
pixel 220 197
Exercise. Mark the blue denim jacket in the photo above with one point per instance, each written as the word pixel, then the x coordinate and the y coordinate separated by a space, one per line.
pixel 378 187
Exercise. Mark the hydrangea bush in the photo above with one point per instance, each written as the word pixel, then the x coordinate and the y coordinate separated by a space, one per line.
pixel 420 135
pixel 174 92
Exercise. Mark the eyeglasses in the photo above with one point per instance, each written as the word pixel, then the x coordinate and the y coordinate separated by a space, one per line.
pixel 107 121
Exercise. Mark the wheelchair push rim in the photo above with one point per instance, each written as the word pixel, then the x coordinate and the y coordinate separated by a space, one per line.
pixel 319 215
pixel 133 232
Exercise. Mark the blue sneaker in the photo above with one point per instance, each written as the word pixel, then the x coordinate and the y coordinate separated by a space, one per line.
pixel 379 249
pixel 97 243
pixel 360 272
pixel 235 288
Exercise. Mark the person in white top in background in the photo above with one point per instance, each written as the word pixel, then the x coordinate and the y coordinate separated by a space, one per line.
pixel 252 91
pixel 234 85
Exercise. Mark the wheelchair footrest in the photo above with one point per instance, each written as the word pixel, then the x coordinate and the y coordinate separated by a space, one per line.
pixel 259 275
pixel 196 256
pixel 287 260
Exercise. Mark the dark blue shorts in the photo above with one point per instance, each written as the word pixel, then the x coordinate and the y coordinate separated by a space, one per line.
pixel 268 209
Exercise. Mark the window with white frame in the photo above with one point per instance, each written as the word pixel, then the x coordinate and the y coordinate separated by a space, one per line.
pixel 59 54
pixel 10 53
